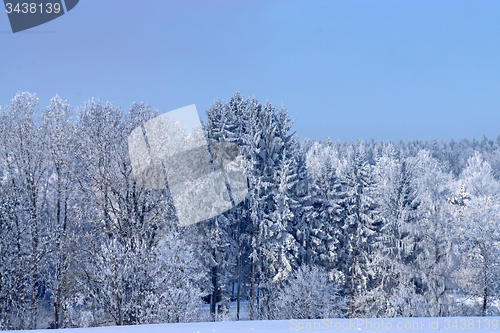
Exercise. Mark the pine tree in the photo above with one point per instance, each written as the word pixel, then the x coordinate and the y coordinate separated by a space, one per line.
pixel 325 234
pixel 360 224
pixel 395 288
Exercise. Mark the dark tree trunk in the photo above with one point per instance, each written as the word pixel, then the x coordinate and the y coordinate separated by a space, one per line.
pixel 239 288
pixel 213 298
pixel 252 292
pixel 351 305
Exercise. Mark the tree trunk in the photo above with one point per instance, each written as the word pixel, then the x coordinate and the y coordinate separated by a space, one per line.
pixel 36 254
pixel 252 292
pixel 57 301
pixel 351 306
pixel 239 288
pixel 485 294
pixel 213 298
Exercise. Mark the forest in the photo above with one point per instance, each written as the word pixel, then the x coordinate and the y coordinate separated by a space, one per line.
pixel 327 230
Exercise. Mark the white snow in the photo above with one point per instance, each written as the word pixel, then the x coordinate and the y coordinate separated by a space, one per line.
pixel 374 325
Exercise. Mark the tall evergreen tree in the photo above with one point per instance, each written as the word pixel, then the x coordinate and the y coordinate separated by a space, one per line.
pixel 362 219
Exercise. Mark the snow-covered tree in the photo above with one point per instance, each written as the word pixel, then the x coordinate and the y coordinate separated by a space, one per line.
pixel 394 292
pixel 25 178
pixel 393 230
pixel 62 193
pixel 309 293
pixel 325 243
pixel 269 225
pixel 435 262
pixel 126 224
pixel 478 214
pixel 361 221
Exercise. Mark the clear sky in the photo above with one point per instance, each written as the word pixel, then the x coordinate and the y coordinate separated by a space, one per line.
pixel 386 70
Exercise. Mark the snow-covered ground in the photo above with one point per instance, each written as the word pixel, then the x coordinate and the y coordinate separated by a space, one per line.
pixel 385 325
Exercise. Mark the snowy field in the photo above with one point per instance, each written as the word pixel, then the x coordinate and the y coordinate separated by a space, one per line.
pixel 406 325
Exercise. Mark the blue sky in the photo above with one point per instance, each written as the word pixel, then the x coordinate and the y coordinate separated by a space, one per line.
pixel 386 70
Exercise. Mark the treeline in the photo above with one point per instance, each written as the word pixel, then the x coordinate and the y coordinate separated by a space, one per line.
pixel 328 229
